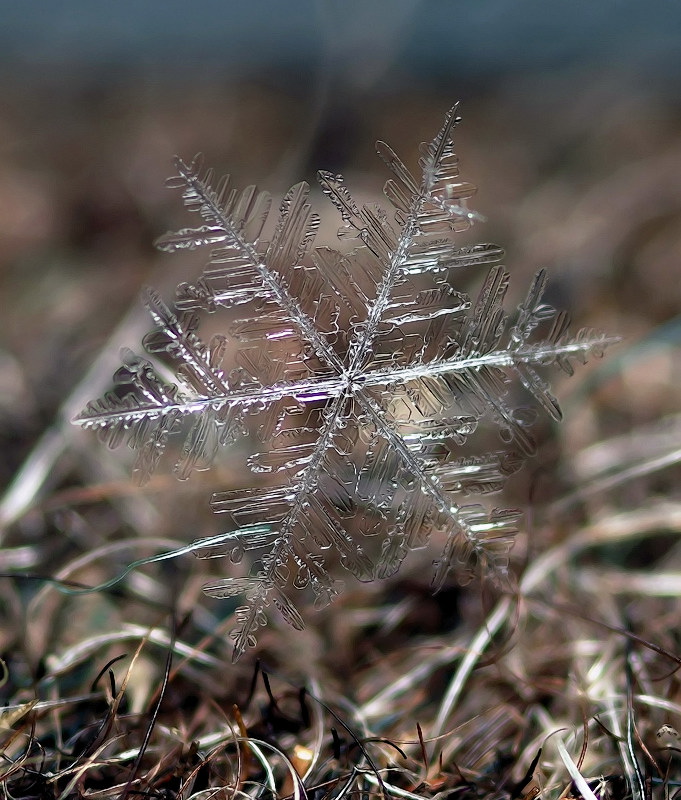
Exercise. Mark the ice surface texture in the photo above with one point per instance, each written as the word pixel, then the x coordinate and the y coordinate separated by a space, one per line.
pixel 361 377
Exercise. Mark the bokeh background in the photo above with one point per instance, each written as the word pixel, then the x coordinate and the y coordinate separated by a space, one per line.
pixel 572 131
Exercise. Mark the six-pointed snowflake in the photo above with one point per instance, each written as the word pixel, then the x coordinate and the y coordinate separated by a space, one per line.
pixel 361 375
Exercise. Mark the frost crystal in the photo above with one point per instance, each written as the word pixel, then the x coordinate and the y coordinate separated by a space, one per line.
pixel 359 375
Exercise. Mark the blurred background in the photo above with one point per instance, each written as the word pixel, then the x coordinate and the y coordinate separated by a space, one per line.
pixel 571 129
pixel 572 116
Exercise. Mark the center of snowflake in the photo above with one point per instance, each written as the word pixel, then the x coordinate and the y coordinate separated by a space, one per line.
pixel 354 381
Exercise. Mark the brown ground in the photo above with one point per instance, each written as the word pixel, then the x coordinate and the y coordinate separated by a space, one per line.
pixel 590 189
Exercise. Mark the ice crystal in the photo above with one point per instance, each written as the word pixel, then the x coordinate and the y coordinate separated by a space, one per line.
pixel 359 375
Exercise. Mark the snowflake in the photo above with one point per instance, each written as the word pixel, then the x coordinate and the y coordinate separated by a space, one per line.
pixel 359 375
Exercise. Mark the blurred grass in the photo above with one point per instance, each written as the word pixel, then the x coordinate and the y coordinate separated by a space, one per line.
pixel 589 188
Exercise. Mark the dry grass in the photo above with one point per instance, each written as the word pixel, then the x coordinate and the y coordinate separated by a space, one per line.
pixel 567 687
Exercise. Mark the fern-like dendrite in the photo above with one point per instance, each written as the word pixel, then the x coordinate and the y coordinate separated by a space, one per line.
pixel 361 376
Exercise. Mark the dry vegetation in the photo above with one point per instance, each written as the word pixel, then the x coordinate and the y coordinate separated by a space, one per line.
pixel 130 692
